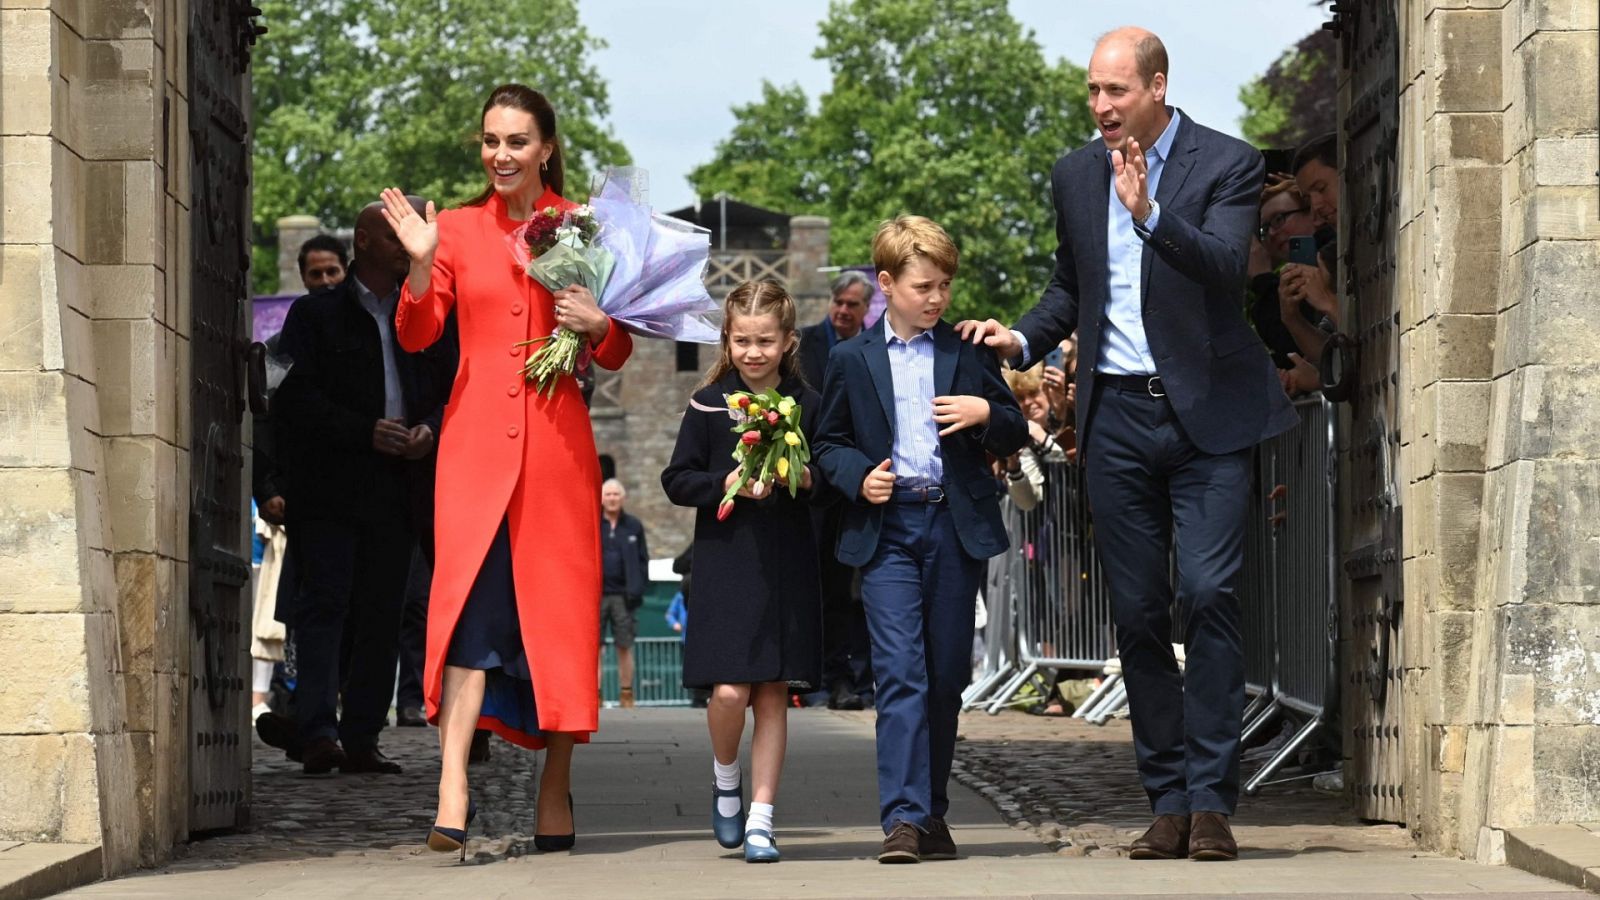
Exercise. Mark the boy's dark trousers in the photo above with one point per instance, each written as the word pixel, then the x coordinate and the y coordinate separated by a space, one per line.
pixel 919 591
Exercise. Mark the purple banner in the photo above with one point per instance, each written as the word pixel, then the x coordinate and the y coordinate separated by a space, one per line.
pixel 267 315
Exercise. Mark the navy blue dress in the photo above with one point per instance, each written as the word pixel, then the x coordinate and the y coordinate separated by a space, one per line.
pixel 488 637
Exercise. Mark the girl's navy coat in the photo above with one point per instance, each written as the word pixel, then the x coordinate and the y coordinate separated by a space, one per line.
pixel 756 600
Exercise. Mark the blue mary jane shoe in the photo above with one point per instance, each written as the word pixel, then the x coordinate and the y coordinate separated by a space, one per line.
pixel 728 829
pixel 755 854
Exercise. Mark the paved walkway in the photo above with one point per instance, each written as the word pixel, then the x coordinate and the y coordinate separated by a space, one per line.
pixel 643 796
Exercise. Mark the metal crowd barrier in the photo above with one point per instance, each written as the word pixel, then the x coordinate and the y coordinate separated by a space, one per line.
pixel 657 672
pixel 1049 607
pixel 1295 591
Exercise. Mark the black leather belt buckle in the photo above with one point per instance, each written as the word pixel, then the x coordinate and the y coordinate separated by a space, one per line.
pixel 1154 386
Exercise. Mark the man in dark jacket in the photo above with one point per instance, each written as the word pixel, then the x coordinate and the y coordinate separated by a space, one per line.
pixel 355 418
pixel 846 651
pixel 625 570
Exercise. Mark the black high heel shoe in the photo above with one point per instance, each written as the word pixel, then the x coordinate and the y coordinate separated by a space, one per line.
pixel 450 840
pixel 554 843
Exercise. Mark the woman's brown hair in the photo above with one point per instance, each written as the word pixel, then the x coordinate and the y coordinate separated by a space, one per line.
pixel 757 298
pixel 530 101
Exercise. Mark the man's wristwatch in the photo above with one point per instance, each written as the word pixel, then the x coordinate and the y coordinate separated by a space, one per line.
pixel 1153 207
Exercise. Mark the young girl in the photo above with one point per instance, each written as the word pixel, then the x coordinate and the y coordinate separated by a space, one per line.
pixel 755 601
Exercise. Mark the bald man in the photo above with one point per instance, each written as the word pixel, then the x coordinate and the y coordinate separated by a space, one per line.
pixel 624 574
pixel 1154 220
pixel 356 418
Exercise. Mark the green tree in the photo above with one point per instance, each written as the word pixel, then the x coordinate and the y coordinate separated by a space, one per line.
pixel 1297 98
pixel 351 96
pixel 944 108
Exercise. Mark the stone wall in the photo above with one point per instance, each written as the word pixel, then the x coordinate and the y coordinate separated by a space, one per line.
pixel 93 443
pixel 1501 466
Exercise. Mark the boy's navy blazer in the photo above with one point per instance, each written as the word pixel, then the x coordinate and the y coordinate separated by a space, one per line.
pixel 856 433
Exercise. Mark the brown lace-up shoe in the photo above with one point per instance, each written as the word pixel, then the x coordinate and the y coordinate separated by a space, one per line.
pixel 936 842
pixel 903 845
pixel 1167 838
pixel 1210 838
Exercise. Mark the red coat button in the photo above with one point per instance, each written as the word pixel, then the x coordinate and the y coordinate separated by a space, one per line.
pixel 511 391
pixel 516 351
pixel 512 431
pixel 516 309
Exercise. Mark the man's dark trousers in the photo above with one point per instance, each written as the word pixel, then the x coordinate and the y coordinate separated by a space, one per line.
pixel 353 575
pixel 919 590
pixel 1149 484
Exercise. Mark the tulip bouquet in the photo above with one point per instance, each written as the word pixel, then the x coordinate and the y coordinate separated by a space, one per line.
pixel 770 443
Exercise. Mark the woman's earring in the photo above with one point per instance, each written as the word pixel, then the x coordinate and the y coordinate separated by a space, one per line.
pixel 544 166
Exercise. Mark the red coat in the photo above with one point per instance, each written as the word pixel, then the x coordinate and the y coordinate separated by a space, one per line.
pixel 504 450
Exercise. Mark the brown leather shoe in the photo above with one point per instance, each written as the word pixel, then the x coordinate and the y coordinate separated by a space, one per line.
pixel 1167 838
pixel 936 842
pixel 625 697
pixel 369 761
pixel 903 845
pixel 321 756
pixel 1210 838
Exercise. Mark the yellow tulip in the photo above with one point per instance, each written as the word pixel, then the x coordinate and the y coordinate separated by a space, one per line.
pixel 785 407
pixel 791 439
pixel 754 410
pixel 783 467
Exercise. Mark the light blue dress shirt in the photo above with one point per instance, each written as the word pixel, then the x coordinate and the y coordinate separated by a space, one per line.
pixel 1124 350
pixel 916 459
pixel 382 309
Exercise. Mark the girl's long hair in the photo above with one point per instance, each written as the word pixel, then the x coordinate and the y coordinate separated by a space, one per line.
pixel 757 298
pixel 530 101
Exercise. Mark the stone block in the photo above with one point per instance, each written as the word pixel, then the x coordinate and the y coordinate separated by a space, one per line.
pixel 1566 772
pixel 1466 138
pixel 1450 748
pixel 1558 645
pixel 1511 782
pixel 26 186
pixel 44 665
pixel 1558 103
pixel 1462 428
pixel 1451 669
pixel 137 601
pixel 104 206
pixel 121 292
pixel 119 19
pixel 1560 213
pixel 27 103
pixel 1558 320
pixel 168 386
pixel 1561 15
pixel 143 219
pixel 1465 346
pixel 39 565
pixel 171 605
pixel 1560 544
pixel 127 351
pixel 27 309
pixel 107 695
pixel 1459 505
pixel 1565 161
pixel 131 485
pixel 119 111
pixel 1518 700
pixel 30 807
pixel 1465 45
pixel 1552 413
pixel 171 502
pixel 35 410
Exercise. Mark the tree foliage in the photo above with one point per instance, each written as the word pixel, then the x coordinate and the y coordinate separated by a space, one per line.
pixel 1297 98
pixel 351 96
pixel 943 108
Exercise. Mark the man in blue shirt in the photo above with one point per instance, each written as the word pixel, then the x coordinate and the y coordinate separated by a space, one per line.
pixel 1174 390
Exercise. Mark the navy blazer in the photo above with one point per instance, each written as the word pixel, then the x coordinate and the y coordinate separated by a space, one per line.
pixel 856 433
pixel 1217 374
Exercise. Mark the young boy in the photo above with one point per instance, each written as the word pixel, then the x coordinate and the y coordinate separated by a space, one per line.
pixel 908 412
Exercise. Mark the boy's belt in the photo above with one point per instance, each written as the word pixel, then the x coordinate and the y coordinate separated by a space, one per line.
pixel 930 494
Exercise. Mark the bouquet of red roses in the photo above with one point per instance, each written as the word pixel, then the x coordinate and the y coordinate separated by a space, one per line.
pixel 770 443
pixel 562 250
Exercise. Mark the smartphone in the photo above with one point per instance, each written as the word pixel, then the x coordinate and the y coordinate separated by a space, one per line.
pixel 1056 358
pixel 1303 250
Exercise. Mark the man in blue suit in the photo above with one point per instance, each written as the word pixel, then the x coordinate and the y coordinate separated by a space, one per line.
pixel 1154 223
pixel 909 414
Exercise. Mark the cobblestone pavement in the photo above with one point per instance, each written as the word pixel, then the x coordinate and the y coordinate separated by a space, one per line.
pixel 1074 785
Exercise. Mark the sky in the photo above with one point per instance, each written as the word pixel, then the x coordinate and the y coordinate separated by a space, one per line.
pixel 676 68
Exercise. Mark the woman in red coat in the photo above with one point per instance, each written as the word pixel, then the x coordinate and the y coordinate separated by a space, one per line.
pixel 516 587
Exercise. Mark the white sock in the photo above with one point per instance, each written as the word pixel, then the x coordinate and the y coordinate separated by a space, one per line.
pixel 760 817
pixel 727 779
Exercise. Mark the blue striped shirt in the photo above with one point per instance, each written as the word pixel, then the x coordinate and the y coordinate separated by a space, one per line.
pixel 916 460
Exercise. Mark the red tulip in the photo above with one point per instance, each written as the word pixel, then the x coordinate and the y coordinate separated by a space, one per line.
pixel 772 417
pixel 724 510
pixel 751 438
pixel 744 402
